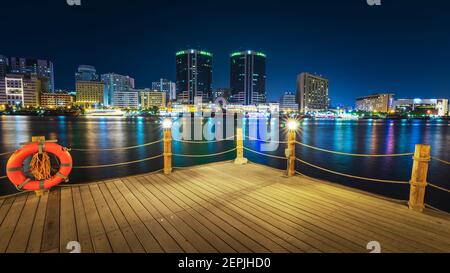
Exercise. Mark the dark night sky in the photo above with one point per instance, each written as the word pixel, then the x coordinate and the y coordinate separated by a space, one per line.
pixel 402 46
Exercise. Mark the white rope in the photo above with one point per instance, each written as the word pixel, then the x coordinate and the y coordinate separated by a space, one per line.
pixel 268 155
pixel 208 155
pixel 118 164
pixel 350 154
pixel 352 176
pixel 441 160
pixel 118 149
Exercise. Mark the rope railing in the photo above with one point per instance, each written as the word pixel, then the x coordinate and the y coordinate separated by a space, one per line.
pixel 118 164
pixel 8 153
pixel 352 176
pixel 118 149
pixel 351 154
pixel 208 155
pixel 203 141
pixel 440 160
pixel 264 154
pixel 438 187
pixel 3 177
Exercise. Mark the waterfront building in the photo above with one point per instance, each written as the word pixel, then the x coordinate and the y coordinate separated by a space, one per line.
pixel 56 99
pixel 30 68
pixel 193 75
pixel 437 107
pixel 4 64
pixel 115 83
pixel 90 93
pixel 312 93
pixel 20 90
pixel 126 99
pixel 288 102
pixel 86 73
pixel 152 98
pixel 248 77
pixel 381 103
pixel 170 88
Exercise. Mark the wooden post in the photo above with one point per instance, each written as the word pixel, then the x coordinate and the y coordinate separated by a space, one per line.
pixel 240 159
pixel 419 177
pixel 167 151
pixel 290 153
pixel 38 193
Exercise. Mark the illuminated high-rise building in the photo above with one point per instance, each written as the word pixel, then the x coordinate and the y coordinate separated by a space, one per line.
pixel 166 86
pixel 248 77
pixel 33 68
pixel 194 75
pixel 312 93
pixel 115 83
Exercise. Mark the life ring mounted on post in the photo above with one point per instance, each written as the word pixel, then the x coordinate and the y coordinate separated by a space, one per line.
pixel 43 180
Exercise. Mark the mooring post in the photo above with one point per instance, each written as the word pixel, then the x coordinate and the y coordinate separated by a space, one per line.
pixel 240 159
pixel 419 177
pixel 38 139
pixel 167 125
pixel 290 153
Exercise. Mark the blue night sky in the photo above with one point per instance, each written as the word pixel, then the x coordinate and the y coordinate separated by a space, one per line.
pixel 402 46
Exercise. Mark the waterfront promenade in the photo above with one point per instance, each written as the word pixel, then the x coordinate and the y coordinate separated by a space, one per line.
pixel 220 207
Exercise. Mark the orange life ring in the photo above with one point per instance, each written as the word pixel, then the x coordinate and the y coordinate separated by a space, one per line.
pixel 14 167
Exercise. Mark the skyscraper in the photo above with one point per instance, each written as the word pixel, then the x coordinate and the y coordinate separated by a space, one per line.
pixel 115 83
pixel 89 89
pixel 41 69
pixel 170 88
pixel 3 66
pixel 248 77
pixel 288 102
pixel 312 93
pixel 194 75
pixel 20 90
pixel 86 73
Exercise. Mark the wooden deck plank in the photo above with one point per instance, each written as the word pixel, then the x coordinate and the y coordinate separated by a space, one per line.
pixel 10 221
pixel 51 235
pixel 146 238
pixel 98 235
pixel 303 231
pixel 202 210
pixel 130 236
pixel 22 232
pixel 172 225
pixel 34 242
pixel 200 217
pixel 83 234
pixel 289 212
pixel 68 226
pixel 296 237
pixel 264 237
pixel 218 207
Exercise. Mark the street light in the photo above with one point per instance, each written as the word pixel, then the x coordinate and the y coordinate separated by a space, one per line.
pixel 292 125
pixel 167 123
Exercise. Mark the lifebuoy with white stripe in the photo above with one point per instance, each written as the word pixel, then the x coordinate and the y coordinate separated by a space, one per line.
pixel 14 167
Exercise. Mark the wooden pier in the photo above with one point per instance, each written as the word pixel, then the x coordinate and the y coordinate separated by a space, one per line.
pixel 221 207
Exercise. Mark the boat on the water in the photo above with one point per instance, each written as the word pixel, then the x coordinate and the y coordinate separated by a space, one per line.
pixel 104 113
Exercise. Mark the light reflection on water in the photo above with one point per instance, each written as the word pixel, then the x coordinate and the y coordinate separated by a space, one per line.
pixel 368 137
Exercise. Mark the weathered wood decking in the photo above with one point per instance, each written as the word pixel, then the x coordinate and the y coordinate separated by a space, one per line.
pixel 215 208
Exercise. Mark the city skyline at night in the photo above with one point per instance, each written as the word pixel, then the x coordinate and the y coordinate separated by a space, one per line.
pixel 346 42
